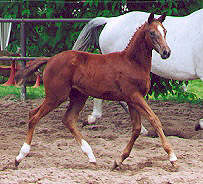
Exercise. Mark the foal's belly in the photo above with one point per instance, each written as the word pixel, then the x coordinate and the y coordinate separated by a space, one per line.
pixel 114 95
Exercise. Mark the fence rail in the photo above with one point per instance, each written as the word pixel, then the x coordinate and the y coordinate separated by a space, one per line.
pixel 45 20
pixel 19 58
pixel 22 21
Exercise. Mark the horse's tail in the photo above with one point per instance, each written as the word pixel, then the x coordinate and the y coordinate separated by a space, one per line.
pixel 89 35
pixel 31 67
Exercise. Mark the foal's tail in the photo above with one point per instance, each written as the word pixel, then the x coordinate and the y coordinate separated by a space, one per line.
pixel 31 67
pixel 89 35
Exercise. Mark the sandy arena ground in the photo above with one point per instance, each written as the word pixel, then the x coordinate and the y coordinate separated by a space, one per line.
pixel 55 157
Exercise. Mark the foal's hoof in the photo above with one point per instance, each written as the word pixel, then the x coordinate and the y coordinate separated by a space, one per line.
pixel 116 166
pixel 175 165
pixel 16 163
pixel 93 165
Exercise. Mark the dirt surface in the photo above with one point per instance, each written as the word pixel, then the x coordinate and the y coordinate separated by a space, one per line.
pixel 55 157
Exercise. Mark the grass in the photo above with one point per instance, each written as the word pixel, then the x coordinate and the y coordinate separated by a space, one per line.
pixel 32 93
pixel 194 93
pixel 196 87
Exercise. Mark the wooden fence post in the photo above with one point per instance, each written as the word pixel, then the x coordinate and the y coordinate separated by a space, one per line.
pixel 23 40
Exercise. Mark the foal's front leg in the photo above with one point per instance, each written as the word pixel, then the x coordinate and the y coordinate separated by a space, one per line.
pixel 136 124
pixel 144 108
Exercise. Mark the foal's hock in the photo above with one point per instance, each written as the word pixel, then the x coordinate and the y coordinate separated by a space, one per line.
pixel 120 76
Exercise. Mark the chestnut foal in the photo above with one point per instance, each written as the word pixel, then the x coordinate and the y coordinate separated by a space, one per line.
pixel 119 76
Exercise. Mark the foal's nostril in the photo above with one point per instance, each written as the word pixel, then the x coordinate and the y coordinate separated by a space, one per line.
pixel 165 53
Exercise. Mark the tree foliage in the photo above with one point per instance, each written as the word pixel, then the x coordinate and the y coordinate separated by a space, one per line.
pixel 48 39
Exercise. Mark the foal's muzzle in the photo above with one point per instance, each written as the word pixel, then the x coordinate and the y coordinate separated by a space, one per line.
pixel 166 53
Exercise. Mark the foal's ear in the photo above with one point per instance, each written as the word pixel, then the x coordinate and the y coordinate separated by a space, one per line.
pixel 151 18
pixel 162 18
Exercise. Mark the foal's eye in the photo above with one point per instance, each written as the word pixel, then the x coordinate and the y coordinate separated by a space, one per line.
pixel 152 33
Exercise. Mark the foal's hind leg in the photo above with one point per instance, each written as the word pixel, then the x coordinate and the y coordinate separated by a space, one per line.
pixel 136 123
pixel 48 105
pixel 33 112
pixel 77 102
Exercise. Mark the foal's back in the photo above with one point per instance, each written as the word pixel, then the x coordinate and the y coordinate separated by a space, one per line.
pixel 97 75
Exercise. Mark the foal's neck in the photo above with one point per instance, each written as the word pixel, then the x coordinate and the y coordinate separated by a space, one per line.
pixel 138 50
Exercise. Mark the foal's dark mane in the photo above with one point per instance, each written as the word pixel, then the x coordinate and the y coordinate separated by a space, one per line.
pixel 138 51
pixel 134 35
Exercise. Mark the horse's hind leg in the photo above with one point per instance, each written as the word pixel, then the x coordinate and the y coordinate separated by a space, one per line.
pixel 144 131
pixel 136 124
pixel 97 111
pixel 48 105
pixel 199 125
pixel 77 102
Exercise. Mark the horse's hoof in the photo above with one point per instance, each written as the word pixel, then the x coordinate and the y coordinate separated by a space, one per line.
pixel 91 119
pixel 199 126
pixel 144 132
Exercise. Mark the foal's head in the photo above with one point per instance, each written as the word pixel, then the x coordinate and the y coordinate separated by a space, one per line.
pixel 156 36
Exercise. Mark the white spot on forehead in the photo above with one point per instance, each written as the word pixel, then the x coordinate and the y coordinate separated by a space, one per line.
pixel 161 30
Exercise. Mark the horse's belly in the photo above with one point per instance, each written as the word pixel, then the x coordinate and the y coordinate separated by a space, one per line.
pixel 179 66
pixel 174 73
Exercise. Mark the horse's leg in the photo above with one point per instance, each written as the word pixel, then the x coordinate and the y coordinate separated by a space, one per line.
pixel 144 109
pixel 77 102
pixel 97 113
pixel 136 123
pixel 144 131
pixel 97 110
pixel 199 125
pixel 49 104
